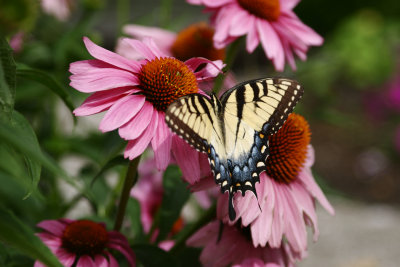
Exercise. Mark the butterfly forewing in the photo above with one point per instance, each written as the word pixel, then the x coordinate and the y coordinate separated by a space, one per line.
pixel 193 117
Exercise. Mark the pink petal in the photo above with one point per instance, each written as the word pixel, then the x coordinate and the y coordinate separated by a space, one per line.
pixel 135 127
pixel 161 143
pixel 252 39
pixel 87 65
pixel 302 31
pixel 246 207
pixel 100 101
pixel 65 257
pixel 102 79
pixel 100 261
pixel 137 146
pixel 39 264
pixel 210 71
pixel 278 217
pixel 85 261
pixel 216 3
pixel 288 4
pixel 295 229
pixel 140 47
pixel 153 47
pixel 126 251
pixel 126 50
pixel 222 24
pixel 52 241
pixel 113 261
pixel 241 23
pixel 271 43
pixel 202 184
pixel 187 159
pixel 52 226
pixel 121 112
pixel 161 37
pixel 110 57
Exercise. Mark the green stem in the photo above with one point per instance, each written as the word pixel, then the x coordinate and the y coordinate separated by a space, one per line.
pixel 165 13
pixel 130 180
pixel 190 230
pixel 230 56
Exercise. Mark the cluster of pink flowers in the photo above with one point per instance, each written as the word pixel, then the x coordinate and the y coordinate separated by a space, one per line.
pixel 134 87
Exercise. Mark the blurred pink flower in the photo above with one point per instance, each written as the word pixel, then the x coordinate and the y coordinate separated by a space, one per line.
pixel 17 41
pixel 393 95
pixel 193 41
pixel 286 192
pixel 84 243
pixel 232 246
pixel 136 93
pixel 271 22
pixel 61 9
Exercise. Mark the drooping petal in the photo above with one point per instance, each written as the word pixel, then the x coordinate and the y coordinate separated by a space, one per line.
pixel 271 43
pixel 87 65
pixel 85 261
pixel 141 47
pixel 100 261
pixel 100 101
pixel 54 227
pixel 163 38
pixel 65 257
pixel 135 127
pixel 137 146
pixel 113 261
pixel 241 23
pixel 121 112
pixel 161 143
pixel 110 57
pixel 252 39
pixel 187 159
pixel 102 79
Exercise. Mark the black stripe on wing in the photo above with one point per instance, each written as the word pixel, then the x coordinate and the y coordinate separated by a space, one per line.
pixel 188 114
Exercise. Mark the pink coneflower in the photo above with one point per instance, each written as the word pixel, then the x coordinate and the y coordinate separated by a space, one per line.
pixel 61 9
pixel 194 41
pixel 232 246
pixel 83 243
pixel 286 192
pixel 271 22
pixel 17 41
pixel 136 93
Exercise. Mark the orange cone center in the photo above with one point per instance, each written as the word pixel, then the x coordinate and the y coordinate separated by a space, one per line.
pixel 265 9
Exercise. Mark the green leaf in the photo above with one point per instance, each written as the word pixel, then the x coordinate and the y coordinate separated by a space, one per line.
pixel 19 134
pixel 48 81
pixel 17 234
pixel 152 256
pixel 175 196
pixel 7 77
pixel 20 127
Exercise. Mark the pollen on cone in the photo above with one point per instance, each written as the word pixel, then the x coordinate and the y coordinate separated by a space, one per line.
pixel 266 9
pixel 164 80
pixel 288 149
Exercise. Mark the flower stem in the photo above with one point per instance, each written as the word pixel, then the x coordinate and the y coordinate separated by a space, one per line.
pixel 130 180
pixel 230 56
pixel 191 229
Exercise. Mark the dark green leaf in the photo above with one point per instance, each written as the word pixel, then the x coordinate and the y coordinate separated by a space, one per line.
pixel 188 256
pixel 152 256
pixel 7 77
pixel 175 196
pixel 11 161
pixel 17 234
pixel 48 81
pixel 18 134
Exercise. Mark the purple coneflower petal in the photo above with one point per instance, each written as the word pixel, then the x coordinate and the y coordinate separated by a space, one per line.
pixel 161 143
pixel 137 146
pixel 110 57
pixel 102 79
pixel 100 261
pixel 136 126
pixel 85 261
pixel 100 101
pixel 54 227
pixel 121 112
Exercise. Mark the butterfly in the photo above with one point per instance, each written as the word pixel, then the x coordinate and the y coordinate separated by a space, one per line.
pixel 234 129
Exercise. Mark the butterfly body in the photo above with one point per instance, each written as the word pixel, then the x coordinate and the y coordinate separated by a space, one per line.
pixel 234 131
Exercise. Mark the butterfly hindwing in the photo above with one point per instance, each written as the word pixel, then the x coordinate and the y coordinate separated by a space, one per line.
pixel 234 131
